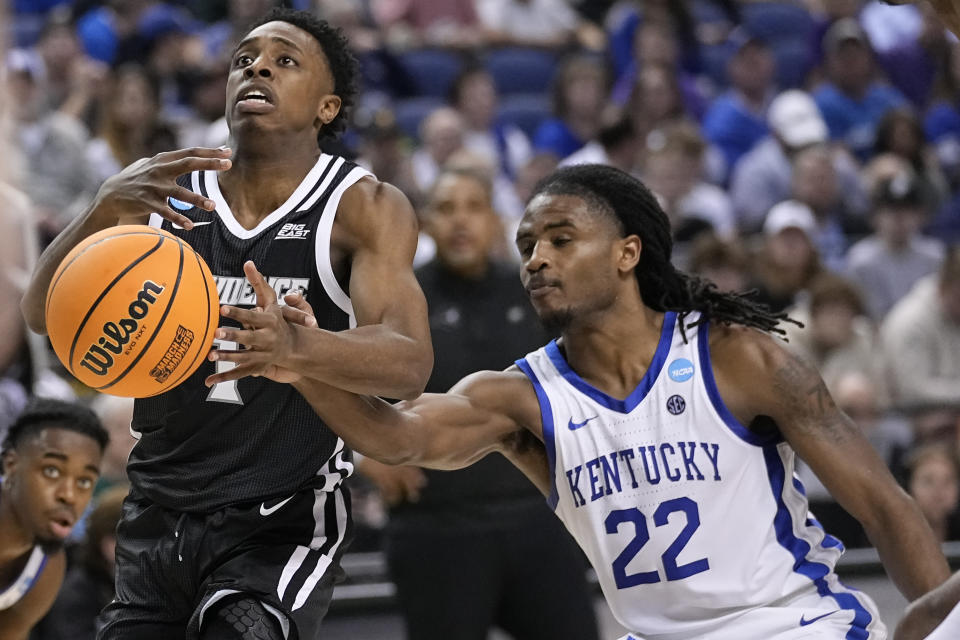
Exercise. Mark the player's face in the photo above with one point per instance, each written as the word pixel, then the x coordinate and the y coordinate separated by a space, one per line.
pixel 280 80
pixel 462 223
pixel 572 259
pixel 49 480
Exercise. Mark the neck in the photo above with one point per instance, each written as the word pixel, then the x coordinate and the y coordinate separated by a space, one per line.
pixel 264 176
pixel 612 349
pixel 475 271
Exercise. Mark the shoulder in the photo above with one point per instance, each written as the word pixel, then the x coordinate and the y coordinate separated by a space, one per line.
pixel 754 370
pixel 370 206
pixel 865 250
pixel 40 597
pixel 509 392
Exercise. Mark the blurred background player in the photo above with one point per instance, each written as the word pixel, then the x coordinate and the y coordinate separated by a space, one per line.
pixel 488 521
pixel 51 461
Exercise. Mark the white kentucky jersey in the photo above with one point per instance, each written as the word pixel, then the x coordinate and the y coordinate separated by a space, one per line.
pixel 696 526
pixel 16 590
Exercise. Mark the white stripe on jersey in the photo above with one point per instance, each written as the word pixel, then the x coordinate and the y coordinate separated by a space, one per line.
pixel 322 244
pixel 696 526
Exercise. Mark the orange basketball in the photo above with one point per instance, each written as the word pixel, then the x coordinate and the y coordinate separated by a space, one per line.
pixel 131 311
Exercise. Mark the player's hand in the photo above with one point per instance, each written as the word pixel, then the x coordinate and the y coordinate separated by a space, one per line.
pixel 396 484
pixel 145 186
pixel 266 335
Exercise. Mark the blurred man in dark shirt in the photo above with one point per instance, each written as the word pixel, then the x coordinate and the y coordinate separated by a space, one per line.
pixel 478 547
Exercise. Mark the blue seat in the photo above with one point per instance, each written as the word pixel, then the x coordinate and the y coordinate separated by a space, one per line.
pixel 432 71
pixel 775 20
pixel 411 112
pixel 525 111
pixel 521 70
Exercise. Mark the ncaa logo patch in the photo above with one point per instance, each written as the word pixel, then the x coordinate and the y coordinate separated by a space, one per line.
pixel 180 205
pixel 680 370
pixel 676 405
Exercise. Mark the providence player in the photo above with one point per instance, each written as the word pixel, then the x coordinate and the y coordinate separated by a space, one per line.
pixel 238 515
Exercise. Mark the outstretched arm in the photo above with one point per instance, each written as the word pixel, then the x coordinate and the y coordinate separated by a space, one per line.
pixel 439 431
pixel 758 377
pixel 129 197
pixel 389 353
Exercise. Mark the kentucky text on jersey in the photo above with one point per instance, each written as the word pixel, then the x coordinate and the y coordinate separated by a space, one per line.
pixel 664 462
pixel 238 292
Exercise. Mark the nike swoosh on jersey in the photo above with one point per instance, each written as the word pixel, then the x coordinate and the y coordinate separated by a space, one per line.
pixel 196 224
pixel 804 622
pixel 576 425
pixel 265 510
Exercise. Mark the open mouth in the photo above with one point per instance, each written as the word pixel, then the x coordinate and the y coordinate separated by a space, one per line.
pixel 61 526
pixel 255 101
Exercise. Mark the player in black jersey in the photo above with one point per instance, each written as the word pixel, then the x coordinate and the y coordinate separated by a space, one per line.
pixel 238 515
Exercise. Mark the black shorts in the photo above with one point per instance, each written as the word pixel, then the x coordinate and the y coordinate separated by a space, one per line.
pixel 173 568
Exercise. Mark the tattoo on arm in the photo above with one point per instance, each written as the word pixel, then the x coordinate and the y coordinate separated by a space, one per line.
pixel 805 399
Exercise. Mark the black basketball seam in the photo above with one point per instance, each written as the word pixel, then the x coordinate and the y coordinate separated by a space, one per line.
pixel 206 325
pixel 76 335
pixel 166 311
pixel 63 268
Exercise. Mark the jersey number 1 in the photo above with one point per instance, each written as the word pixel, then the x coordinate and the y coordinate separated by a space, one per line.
pixel 642 535
pixel 225 391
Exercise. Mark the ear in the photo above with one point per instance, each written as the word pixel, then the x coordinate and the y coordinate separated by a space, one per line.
pixel 9 463
pixel 629 257
pixel 328 109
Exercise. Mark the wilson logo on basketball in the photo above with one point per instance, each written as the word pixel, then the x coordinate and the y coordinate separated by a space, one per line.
pixel 121 336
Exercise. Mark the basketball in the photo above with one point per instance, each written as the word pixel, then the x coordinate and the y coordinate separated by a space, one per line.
pixel 131 311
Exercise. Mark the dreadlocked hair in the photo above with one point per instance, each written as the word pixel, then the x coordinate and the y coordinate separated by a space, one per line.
pixel 662 287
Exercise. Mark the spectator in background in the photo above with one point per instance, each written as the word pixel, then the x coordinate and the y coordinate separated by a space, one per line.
pixel 815 184
pixel 851 100
pixel 788 260
pixel 674 167
pixel 887 263
pixel 655 45
pixel 900 133
pixel 385 152
pixel 723 262
pixel 941 123
pixel 933 482
pixel 579 95
pixel 617 144
pixel 921 342
pixel 655 99
pixel 763 176
pixel 837 337
pixel 130 126
pixel 737 119
pixel 221 37
pixel 474 96
pixel 71 78
pixel 442 134
pixel 445 23
pixel 206 90
pixel 486 521
pixel 54 175
pixel 88 586
pixel 529 23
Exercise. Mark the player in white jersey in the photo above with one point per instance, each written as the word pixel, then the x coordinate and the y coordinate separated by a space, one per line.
pixel 51 459
pixel 662 426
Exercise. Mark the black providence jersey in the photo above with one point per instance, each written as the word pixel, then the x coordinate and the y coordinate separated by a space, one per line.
pixel 251 439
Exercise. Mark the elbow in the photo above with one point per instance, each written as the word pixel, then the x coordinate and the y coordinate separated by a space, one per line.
pixel 33 316
pixel 415 374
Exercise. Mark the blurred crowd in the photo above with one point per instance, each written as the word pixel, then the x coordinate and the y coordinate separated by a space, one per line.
pixel 807 150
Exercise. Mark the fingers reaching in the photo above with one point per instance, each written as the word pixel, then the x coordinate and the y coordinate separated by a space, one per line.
pixel 266 296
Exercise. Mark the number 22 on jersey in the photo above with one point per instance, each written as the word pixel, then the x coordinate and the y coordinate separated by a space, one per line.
pixel 641 536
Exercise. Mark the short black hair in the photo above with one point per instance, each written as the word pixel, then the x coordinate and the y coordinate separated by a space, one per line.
pixel 42 413
pixel 343 65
